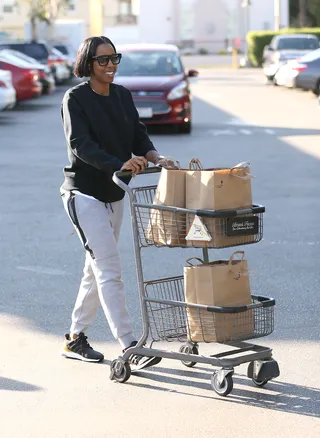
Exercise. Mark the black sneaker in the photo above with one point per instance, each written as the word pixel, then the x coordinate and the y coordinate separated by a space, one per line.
pixel 140 362
pixel 80 349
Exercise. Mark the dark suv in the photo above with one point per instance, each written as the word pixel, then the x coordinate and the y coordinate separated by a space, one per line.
pixel 34 49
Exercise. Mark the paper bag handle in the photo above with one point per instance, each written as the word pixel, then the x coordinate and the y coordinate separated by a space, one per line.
pixel 176 163
pixel 231 267
pixel 232 256
pixel 195 164
pixel 194 258
pixel 239 166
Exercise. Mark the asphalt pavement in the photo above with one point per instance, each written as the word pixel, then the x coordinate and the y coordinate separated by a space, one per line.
pixel 236 118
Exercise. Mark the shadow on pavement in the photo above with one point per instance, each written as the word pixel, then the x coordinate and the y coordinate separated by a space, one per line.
pixel 276 396
pixel 16 385
pixel 33 105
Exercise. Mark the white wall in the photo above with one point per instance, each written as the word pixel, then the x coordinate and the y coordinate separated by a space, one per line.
pixel 262 14
pixel 213 20
pixel 123 34
pixel 156 21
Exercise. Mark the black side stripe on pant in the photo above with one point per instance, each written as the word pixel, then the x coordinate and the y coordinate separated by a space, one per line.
pixel 74 218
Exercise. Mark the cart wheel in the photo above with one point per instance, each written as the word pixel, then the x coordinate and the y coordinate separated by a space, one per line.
pixel 225 387
pixel 260 382
pixel 189 349
pixel 120 371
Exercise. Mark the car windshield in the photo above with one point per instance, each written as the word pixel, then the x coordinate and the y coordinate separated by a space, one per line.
pixel 147 63
pixel 14 60
pixel 20 55
pixel 63 49
pixel 298 44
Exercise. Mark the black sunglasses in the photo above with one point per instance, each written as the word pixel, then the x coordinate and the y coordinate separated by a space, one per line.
pixel 103 60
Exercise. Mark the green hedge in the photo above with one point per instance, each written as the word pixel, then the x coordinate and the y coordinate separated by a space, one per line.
pixel 258 40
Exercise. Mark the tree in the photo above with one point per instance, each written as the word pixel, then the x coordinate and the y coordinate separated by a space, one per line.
pixel 303 13
pixel 44 11
pixel 310 15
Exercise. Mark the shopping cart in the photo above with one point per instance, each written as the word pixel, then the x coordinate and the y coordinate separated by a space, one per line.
pixel 165 314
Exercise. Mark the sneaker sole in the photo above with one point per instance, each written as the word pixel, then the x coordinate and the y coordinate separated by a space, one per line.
pixel 148 363
pixel 71 355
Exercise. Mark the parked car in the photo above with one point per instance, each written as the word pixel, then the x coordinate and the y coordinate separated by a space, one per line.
pixel 284 76
pixel 7 92
pixel 159 85
pixel 59 65
pixel 25 78
pixel 304 73
pixel 34 49
pixel 68 53
pixel 45 75
pixel 284 48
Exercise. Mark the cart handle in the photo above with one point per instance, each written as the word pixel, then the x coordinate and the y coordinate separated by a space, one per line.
pixel 128 174
pixel 262 302
pixel 255 209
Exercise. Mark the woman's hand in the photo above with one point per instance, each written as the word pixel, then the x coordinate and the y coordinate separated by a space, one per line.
pixel 136 165
pixel 165 162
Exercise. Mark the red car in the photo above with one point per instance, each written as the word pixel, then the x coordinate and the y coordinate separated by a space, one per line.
pixel 25 79
pixel 159 85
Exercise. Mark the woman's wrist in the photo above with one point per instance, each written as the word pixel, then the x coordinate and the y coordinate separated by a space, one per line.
pixel 153 156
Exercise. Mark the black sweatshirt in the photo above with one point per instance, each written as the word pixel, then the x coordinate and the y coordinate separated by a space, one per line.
pixel 102 133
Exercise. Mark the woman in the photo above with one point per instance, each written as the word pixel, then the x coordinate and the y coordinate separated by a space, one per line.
pixel 102 130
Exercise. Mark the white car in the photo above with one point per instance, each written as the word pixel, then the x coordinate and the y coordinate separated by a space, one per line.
pixel 7 91
pixel 59 66
pixel 286 75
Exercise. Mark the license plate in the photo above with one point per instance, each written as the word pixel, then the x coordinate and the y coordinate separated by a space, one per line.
pixel 244 226
pixel 145 113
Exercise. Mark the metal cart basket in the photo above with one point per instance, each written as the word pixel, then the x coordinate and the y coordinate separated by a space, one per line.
pixel 165 314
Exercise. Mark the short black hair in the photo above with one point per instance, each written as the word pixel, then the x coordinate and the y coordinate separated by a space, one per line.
pixel 85 53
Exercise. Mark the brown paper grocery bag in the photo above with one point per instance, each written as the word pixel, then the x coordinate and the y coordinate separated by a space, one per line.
pixel 165 227
pixel 223 283
pixel 218 189
pixel 217 230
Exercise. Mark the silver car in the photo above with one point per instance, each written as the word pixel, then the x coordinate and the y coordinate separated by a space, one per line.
pixel 284 48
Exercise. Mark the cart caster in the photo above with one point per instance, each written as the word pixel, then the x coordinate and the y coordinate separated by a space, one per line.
pixel 260 383
pixel 261 371
pixel 189 349
pixel 221 382
pixel 120 371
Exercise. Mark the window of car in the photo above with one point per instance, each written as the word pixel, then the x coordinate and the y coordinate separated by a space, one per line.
pixel 298 44
pixel 62 48
pixel 149 63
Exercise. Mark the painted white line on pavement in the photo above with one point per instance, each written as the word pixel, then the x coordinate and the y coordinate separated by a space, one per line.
pixel 42 270
pixel 217 132
pixel 238 122
pixel 246 131
pixel 269 131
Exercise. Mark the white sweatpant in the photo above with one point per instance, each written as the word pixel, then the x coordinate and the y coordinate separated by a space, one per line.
pixel 98 226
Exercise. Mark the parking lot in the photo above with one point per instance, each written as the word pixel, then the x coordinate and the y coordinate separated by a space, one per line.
pixel 236 118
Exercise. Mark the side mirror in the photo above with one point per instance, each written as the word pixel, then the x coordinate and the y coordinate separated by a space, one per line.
pixel 192 73
pixel 270 49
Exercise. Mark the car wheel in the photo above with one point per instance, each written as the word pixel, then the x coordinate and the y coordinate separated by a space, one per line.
pixel 316 90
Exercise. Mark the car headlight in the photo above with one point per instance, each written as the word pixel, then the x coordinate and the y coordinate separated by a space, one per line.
pixel 178 91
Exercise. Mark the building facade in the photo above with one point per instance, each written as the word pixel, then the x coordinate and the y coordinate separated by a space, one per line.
pixel 209 25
